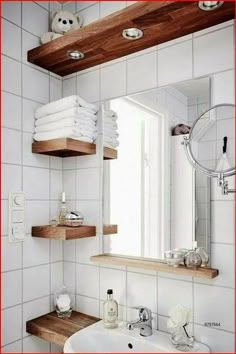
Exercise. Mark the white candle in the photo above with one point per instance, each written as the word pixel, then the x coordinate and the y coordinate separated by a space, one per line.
pixel 63 302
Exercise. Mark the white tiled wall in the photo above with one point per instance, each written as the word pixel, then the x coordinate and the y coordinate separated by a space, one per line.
pixel 25 87
pixel 32 269
pixel 208 52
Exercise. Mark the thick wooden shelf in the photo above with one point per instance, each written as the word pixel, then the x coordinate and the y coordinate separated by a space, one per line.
pixel 102 40
pixel 109 154
pixel 63 232
pixel 151 264
pixel 110 229
pixel 57 330
pixel 63 147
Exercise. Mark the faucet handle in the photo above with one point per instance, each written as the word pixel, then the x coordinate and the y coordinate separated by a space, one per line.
pixel 145 313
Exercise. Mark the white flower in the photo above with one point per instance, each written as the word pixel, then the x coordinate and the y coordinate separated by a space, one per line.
pixel 179 316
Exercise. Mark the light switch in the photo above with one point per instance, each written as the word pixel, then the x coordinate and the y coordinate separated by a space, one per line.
pixel 16 226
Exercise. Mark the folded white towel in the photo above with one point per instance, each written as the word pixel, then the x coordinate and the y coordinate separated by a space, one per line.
pixel 62 105
pixel 67 122
pixel 111 141
pixel 111 146
pixel 110 133
pixel 110 114
pixel 110 125
pixel 72 132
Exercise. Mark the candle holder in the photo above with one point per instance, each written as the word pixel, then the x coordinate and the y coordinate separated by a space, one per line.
pixel 182 340
pixel 64 302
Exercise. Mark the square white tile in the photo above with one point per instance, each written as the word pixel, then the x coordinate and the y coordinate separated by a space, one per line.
pixel 109 7
pixel 11 146
pixel 85 248
pixel 56 184
pixel 35 19
pixel 28 109
pixel 11 10
pixel 69 275
pixel 35 84
pixel 69 86
pixel 56 276
pixel 36 213
pixel 33 344
pixel 36 282
pixel 34 309
pixel 56 163
pixel 110 74
pixel 11 111
pixel 218 45
pixel 29 41
pixel 11 288
pixel 87 182
pixel 173 292
pixel 35 251
pixel 11 40
pixel 11 324
pixel 90 14
pixel 83 286
pixel 222 221
pixel 11 179
pixel 116 280
pixel 208 307
pixel 88 86
pixel 11 255
pixel 174 63
pixel 55 89
pixel 56 250
pixel 69 184
pixel 30 159
pixel 11 75
pixel 222 90
pixel 142 72
pixel 80 5
pixel 36 183
pixel 69 251
pixel 142 290
pixel 87 305
pixel 15 347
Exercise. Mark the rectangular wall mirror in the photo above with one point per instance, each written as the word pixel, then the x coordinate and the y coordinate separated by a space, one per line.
pixel 151 187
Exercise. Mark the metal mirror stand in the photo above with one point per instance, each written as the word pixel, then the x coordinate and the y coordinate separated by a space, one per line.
pixel 221 182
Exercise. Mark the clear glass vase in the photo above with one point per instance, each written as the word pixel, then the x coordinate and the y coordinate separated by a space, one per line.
pixel 64 302
pixel 182 340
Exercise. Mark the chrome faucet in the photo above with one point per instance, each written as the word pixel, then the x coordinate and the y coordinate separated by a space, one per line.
pixel 144 323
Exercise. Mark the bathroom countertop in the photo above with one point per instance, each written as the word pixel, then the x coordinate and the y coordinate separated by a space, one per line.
pixel 57 330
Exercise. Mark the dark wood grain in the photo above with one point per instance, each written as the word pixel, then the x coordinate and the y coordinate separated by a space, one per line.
pixel 63 147
pixel 101 41
pixel 63 232
pixel 109 154
pixel 151 264
pixel 57 330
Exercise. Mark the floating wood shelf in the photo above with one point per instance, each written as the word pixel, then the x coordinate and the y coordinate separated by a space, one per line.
pixel 57 330
pixel 63 147
pixel 109 154
pixel 110 229
pixel 151 264
pixel 63 232
pixel 102 40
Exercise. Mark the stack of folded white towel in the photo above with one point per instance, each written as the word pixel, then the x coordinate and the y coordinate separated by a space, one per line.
pixel 110 134
pixel 69 117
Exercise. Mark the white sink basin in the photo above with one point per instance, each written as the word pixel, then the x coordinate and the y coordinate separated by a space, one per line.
pixel 97 339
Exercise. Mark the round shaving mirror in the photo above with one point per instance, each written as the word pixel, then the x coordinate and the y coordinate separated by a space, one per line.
pixel 210 146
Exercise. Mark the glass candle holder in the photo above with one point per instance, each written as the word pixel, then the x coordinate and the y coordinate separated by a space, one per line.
pixel 64 301
pixel 182 340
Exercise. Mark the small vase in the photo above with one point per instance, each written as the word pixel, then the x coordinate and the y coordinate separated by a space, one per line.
pixel 63 300
pixel 182 340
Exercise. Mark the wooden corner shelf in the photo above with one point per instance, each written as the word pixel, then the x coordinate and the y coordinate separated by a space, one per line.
pixel 57 330
pixel 109 154
pixel 110 229
pixel 63 232
pixel 151 264
pixel 102 40
pixel 63 147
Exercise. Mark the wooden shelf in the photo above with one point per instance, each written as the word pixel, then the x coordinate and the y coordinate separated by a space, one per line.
pixel 63 147
pixel 101 41
pixel 63 232
pixel 151 264
pixel 110 229
pixel 109 154
pixel 57 330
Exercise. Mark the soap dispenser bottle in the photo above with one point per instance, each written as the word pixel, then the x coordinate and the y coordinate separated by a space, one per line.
pixel 110 311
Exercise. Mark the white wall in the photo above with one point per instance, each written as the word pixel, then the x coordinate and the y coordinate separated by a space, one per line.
pixel 30 270
pixel 208 52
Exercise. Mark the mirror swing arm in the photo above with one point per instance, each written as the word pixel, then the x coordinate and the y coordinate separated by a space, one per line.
pixel 221 182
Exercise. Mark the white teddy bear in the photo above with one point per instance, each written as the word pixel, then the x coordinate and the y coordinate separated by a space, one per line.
pixel 62 22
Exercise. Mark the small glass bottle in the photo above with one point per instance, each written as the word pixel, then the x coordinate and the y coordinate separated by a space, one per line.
pixel 192 259
pixel 110 311
pixel 204 256
pixel 62 212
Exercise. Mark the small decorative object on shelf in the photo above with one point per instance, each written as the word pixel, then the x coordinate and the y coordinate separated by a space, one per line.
pixel 204 256
pixel 73 219
pixel 63 301
pixel 193 259
pixel 180 317
pixel 175 257
pixel 54 221
pixel 62 212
